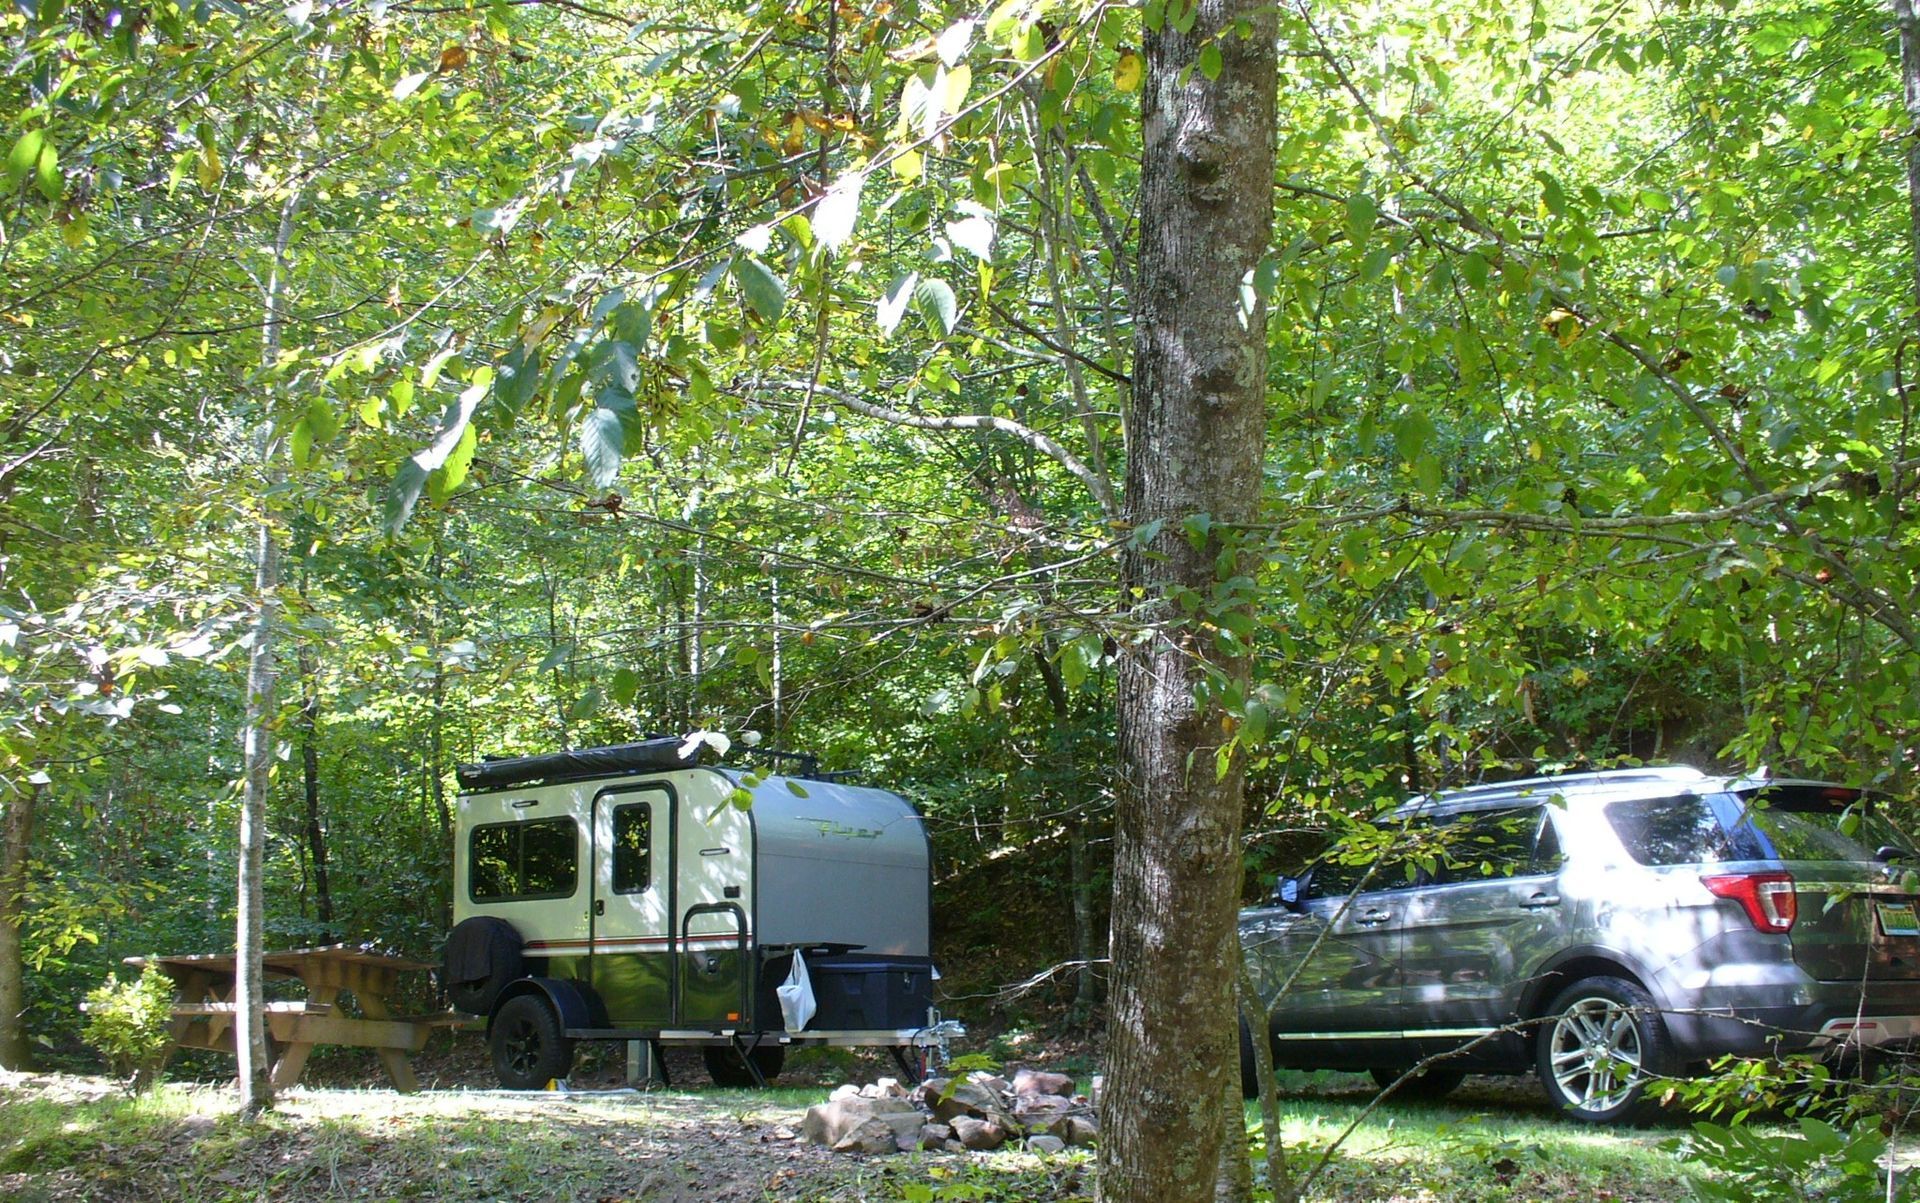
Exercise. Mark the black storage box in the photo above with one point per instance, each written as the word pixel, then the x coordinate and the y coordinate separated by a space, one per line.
pixel 853 991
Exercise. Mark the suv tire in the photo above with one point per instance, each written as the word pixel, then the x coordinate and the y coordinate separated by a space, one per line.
pixel 1428 1086
pixel 529 1048
pixel 1600 1045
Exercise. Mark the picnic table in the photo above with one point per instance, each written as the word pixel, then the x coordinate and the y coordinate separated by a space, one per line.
pixel 204 1011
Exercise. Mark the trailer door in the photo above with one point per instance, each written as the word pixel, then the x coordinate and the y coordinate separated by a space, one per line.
pixel 633 939
pixel 714 844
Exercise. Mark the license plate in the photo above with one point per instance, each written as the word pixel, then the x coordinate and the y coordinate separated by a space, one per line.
pixel 1898 919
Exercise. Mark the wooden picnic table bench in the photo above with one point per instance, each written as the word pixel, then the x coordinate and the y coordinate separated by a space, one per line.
pixel 203 1014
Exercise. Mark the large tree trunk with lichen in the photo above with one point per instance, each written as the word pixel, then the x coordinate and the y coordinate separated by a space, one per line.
pixel 1196 439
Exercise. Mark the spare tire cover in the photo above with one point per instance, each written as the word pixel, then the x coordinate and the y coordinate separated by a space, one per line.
pixel 482 958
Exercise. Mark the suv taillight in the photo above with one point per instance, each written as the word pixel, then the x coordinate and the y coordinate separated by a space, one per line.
pixel 1768 898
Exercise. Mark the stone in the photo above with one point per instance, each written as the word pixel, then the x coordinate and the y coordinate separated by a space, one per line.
pixel 870 1136
pixel 954 1146
pixel 935 1136
pixel 1046 1145
pixel 1082 1130
pixel 849 1091
pixel 948 1099
pixel 885 1088
pixel 1046 1113
pixel 833 1121
pixel 978 1133
pixel 1039 1081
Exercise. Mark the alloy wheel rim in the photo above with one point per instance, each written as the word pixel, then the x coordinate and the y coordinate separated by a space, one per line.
pixel 1595 1055
pixel 523 1047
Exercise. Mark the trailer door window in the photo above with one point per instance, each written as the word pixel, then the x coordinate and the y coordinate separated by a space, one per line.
pixel 511 861
pixel 632 848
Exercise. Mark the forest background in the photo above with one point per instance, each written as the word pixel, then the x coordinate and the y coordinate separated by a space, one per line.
pixel 509 376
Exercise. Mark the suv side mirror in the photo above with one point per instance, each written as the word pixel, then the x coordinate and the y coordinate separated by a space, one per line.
pixel 1287 892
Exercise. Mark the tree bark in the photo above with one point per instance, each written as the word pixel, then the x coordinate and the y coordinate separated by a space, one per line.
pixel 16 840
pixel 1197 427
pixel 316 831
pixel 1908 24
pixel 250 1036
pixel 249 1029
pixel 1909 28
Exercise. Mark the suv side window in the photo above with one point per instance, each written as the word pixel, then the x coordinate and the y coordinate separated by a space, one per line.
pixel 1686 830
pixel 1499 843
pixel 1396 868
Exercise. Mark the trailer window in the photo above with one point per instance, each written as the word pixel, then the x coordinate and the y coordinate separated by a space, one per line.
pixel 509 861
pixel 632 848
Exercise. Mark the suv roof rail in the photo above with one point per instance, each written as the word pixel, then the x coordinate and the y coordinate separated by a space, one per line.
pixel 1599 777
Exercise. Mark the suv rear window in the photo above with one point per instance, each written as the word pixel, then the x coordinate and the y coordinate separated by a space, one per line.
pixel 1695 829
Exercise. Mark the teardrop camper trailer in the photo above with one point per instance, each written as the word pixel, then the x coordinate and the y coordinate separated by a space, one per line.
pixel 628 893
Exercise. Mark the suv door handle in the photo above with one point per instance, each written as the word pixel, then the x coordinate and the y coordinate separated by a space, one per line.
pixel 1375 917
pixel 1540 902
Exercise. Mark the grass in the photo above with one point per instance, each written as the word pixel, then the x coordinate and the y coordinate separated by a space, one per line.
pixel 67 1138
pixel 1491 1141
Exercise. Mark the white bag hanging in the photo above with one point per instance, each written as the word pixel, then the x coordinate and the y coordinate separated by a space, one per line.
pixel 796 995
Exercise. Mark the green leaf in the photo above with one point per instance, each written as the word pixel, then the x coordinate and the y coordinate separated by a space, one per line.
pixel 325 423
pixel 625 686
pixel 1473 269
pixel 402 495
pixel 837 212
pixel 937 305
pixel 409 84
pixel 1210 64
pixel 608 432
pixel 973 234
pixel 46 173
pixel 1362 212
pixel 22 159
pixel 300 444
pixel 516 378
pixel 766 294
pixel 893 304
pixel 442 485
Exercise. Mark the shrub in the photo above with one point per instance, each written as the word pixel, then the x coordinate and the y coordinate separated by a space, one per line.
pixel 128 1023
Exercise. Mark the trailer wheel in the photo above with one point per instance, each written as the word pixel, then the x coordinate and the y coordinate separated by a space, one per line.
pixel 529 1048
pixel 726 1068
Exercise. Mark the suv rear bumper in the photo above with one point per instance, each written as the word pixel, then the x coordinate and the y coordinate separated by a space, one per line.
pixel 1805 1016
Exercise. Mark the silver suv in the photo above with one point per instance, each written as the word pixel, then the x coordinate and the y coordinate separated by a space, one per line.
pixel 1599 929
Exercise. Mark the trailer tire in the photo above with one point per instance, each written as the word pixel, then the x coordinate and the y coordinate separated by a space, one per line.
pixel 529 1047
pixel 482 959
pixel 726 1068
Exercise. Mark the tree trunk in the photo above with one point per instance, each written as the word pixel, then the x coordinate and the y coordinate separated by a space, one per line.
pixel 250 1037
pixel 249 1029
pixel 1197 426
pixel 1908 24
pixel 310 781
pixel 16 839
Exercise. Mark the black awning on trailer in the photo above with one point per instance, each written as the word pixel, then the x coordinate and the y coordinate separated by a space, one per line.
pixel 649 755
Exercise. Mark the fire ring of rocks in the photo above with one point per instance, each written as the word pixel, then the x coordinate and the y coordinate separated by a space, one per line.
pixel 1037 1111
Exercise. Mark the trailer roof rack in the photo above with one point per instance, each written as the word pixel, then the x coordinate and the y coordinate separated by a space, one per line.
pixel 656 753
pixel 651 755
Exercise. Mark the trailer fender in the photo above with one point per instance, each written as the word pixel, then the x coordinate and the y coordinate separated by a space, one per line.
pixel 577 1005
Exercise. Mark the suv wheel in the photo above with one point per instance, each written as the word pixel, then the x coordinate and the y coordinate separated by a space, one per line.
pixel 1599 1046
pixel 1427 1086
